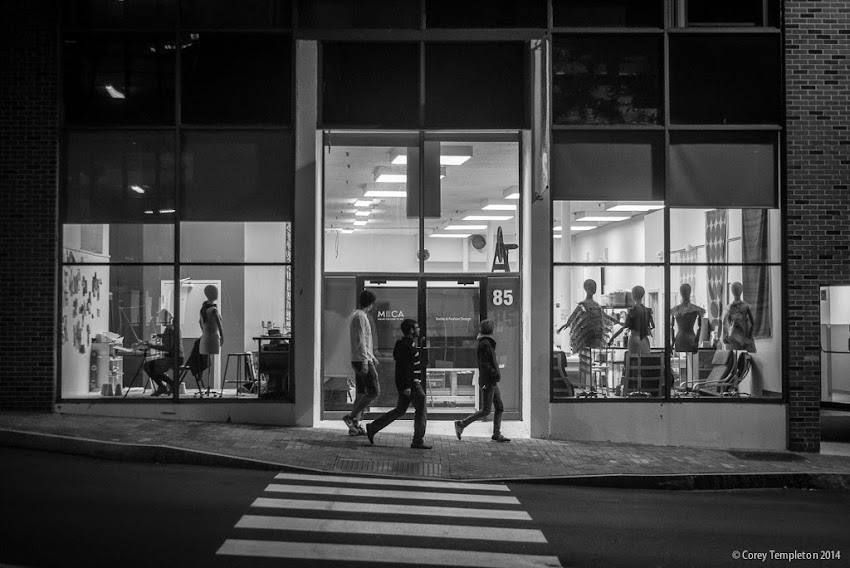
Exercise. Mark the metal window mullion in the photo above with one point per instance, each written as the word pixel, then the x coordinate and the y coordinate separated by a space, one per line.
pixel 668 351
pixel 176 194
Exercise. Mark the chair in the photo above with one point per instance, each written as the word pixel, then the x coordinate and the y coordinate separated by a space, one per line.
pixel 728 386
pixel 643 376
pixel 723 367
pixel 244 370
pixel 196 364
pixel 562 386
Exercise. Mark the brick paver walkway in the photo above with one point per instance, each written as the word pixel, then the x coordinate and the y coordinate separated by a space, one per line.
pixel 332 450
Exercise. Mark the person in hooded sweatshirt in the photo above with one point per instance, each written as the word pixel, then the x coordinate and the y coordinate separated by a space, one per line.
pixel 488 379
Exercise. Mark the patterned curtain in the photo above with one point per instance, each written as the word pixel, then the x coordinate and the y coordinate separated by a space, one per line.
pixel 716 224
pixel 756 279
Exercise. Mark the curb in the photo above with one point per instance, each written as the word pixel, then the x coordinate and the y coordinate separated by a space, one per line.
pixel 150 453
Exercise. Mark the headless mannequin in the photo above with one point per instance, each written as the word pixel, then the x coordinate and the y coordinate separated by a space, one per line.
pixel 588 324
pixel 640 324
pixel 212 336
pixel 738 323
pixel 683 318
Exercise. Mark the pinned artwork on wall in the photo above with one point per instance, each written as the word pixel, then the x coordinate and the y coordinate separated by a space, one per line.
pixel 85 287
pixel 95 286
pixel 64 329
pixel 74 313
pixel 88 335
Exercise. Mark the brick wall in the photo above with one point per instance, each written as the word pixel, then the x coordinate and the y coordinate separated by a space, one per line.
pixel 28 203
pixel 817 47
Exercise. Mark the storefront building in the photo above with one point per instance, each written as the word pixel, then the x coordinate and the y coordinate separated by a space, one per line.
pixel 650 199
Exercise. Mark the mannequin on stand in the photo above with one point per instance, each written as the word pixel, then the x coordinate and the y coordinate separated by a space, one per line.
pixel 212 336
pixel 738 323
pixel 640 324
pixel 684 316
pixel 589 324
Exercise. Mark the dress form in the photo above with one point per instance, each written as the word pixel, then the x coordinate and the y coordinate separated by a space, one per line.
pixel 212 336
pixel 639 323
pixel 684 316
pixel 738 323
pixel 589 324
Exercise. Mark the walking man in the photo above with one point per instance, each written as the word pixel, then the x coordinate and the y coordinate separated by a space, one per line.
pixel 488 378
pixel 364 362
pixel 411 387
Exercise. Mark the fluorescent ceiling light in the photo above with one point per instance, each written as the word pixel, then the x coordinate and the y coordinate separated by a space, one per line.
pixel 488 218
pixel 600 216
pixel 167 211
pixel 493 206
pixel 449 155
pixel 450 235
pixel 582 227
pixel 556 236
pixel 149 212
pixel 346 231
pixel 636 208
pixel 465 227
pixel 388 175
pixel 511 193
pixel 363 202
pixel 385 193
pixel 137 188
pixel 360 223
pixel 362 213
pixel 557 228
pixel 114 93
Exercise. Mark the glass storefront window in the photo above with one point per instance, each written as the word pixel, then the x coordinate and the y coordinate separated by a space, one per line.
pixel 608 13
pixel 236 78
pixel 235 242
pixel 342 14
pixel 473 224
pixel 743 13
pixel 608 231
pixel 719 236
pixel 835 344
pixel 485 14
pixel 725 331
pixel 600 349
pixel 725 79
pixel 119 79
pixel 118 242
pixel 107 312
pixel 119 177
pixel 607 79
pixel 236 14
pixel 124 13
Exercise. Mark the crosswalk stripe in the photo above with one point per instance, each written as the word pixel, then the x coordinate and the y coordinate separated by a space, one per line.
pixel 378 508
pixel 389 494
pixel 401 482
pixel 390 554
pixel 390 529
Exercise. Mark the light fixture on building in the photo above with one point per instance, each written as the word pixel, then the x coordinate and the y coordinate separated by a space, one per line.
pixel 391 175
pixel 465 228
pixel 492 205
pixel 634 207
pixel 488 218
pixel 600 216
pixel 114 93
pixel 137 188
pixel 511 193
pixel 449 155
pixel 451 235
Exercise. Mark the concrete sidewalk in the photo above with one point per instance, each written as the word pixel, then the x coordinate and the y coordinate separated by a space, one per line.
pixel 329 449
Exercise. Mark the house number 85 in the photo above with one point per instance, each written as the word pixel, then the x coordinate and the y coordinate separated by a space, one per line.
pixel 503 297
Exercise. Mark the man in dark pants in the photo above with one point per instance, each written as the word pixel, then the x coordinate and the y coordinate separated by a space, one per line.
pixel 488 378
pixel 410 383
pixel 363 361
pixel 157 368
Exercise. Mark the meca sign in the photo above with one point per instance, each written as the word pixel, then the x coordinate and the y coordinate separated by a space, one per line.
pixel 390 314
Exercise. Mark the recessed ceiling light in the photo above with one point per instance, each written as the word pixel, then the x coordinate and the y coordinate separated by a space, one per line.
pixel 582 227
pixel 346 231
pixel 385 193
pixel 450 235
pixel 465 228
pixel 449 155
pixel 636 208
pixel 488 218
pixel 149 212
pixel 558 236
pixel 164 211
pixel 362 213
pixel 363 202
pixel 360 223
pixel 114 93
pixel 511 193
pixel 601 216
pixel 496 206
pixel 137 188
pixel 557 228
pixel 390 175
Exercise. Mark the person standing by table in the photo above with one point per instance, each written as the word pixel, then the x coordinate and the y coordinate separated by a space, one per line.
pixel 157 369
pixel 489 377
pixel 363 361
pixel 409 380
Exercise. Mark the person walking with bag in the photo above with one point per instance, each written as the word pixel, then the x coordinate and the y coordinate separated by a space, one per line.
pixel 409 381
pixel 488 378
pixel 364 362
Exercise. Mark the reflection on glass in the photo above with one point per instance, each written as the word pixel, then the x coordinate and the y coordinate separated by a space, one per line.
pixel 109 316
pixel 718 236
pixel 606 80
pixel 235 242
pixel 835 343
pixel 608 231
pixel 477 229
pixel 339 300
pixel 105 243
pixel 608 13
pixel 733 348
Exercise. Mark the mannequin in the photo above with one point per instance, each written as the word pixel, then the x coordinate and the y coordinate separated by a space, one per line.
pixel 212 336
pixel 683 318
pixel 640 324
pixel 738 323
pixel 588 324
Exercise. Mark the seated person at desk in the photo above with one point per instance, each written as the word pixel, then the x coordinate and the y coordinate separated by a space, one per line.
pixel 157 369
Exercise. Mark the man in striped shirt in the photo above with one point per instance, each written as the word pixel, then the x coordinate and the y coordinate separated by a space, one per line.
pixel 410 382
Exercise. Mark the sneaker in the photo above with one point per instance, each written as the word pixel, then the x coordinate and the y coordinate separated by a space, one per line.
pixel 500 438
pixel 421 446
pixel 360 431
pixel 458 428
pixel 370 433
pixel 349 421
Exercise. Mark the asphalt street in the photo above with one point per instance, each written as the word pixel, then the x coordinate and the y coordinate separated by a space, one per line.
pixel 62 510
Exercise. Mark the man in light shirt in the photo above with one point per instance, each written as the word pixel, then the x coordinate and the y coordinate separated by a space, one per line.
pixel 364 362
